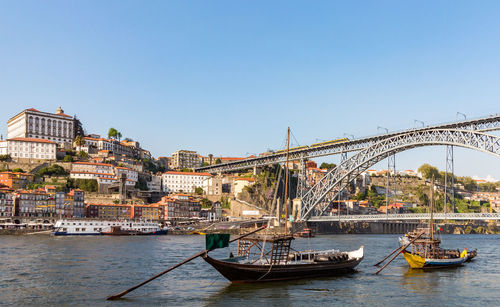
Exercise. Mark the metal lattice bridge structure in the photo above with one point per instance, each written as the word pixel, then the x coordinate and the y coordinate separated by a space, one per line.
pixel 470 134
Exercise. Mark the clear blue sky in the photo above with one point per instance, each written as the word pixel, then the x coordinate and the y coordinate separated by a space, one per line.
pixel 228 77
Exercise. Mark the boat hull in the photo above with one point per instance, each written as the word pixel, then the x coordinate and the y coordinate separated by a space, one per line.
pixel 247 273
pixel 417 262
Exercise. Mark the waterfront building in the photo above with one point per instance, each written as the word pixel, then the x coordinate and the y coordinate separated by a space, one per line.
pixel 181 206
pixel 32 123
pixel 183 182
pixel 7 201
pixel 185 159
pixel 145 212
pixel 23 149
pixel 26 204
pixel 109 211
pixel 76 197
pixel 15 180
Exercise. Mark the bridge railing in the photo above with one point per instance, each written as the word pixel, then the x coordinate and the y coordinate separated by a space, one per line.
pixel 406 216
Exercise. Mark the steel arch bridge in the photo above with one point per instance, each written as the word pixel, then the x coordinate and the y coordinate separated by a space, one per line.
pixel 339 177
pixel 480 124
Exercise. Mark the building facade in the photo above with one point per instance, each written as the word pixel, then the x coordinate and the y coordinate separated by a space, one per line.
pixel 32 123
pixel 183 182
pixel 185 159
pixel 23 149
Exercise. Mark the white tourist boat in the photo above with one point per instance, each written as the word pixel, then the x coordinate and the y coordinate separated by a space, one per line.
pixel 67 227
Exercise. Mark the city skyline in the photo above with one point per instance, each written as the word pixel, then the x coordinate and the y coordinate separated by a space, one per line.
pixel 228 79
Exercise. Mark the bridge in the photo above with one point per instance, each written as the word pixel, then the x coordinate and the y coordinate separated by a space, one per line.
pixel 480 124
pixel 406 217
pixel 314 201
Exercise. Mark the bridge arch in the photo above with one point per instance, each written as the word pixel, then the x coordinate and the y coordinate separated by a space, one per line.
pixel 339 177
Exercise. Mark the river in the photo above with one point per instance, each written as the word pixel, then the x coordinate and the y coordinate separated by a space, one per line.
pixel 44 270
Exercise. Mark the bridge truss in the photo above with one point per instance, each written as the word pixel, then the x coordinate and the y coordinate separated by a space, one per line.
pixel 339 177
pixel 480 125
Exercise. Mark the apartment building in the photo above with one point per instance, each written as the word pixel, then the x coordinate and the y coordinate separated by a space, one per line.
pixel 186 182
pixel 185 159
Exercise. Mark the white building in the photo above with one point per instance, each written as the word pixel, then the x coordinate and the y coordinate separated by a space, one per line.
pixel 241 183
pixel 183 181
pixel 131 174
pixel 29 149
pixel 31 123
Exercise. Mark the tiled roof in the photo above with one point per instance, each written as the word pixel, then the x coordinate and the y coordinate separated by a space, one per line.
pixel 187 173
pixel 32 140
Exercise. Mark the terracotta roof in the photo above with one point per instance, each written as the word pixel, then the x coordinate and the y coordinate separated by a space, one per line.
pixel 94 173
pixel 90 163
pixel 32 140
pixel 32 109
pixel 246 179
pixel 187 173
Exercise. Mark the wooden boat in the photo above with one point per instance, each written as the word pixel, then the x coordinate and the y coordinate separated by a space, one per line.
pixel 255 263
pixel 279 264
pixel 425 251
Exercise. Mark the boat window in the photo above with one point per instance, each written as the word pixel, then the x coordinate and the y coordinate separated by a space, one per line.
pixel 83 229
pixel 62 223
pixel 77 229
pixel 74 223
pixel 65 229
pixel 90 223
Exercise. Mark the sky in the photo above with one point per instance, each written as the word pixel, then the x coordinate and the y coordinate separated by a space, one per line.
pixel 229 77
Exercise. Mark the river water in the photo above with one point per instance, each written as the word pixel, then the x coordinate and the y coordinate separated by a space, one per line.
pixel 44 270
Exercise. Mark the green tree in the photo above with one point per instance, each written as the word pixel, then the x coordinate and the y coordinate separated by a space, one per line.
pixel 53 170
pixel 325 165
pixel 112 133
pixel 5 157
pixel 218 161
pixel 428 171
pixel 68 158
pixel 79 141
pixel 18 170
pixel 198 191
pixel 83 154
pixel 119 136
pixel 205 203
pixel 468 183
pixel 205 164
pixel 141 184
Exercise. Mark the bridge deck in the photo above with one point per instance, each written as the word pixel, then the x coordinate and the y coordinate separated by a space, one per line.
pixel 407 217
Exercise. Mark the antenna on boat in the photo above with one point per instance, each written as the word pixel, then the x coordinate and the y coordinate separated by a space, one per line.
pixel 431 222
pixel 286 178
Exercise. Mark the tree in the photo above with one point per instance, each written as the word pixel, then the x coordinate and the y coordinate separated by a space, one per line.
pixel 205 203
pixel 325 165
pixel 68 158
pixel 428 171
pixel 18 170
pixel 79 141
pixel 83 154
pixel 53 170
pixel 205 164
pixel 198 191
pixel 119 135
pixel 5 157
pixel 112 133
pixel 218 161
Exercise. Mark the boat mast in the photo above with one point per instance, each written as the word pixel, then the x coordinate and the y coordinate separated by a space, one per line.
pixel 431 223
pixel 286 179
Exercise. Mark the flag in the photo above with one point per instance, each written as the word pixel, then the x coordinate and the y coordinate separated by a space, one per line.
pixel 219 240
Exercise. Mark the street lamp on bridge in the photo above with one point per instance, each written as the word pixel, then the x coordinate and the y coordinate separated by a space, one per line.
pixel 387 182
pixel 418 121
pixel 459 113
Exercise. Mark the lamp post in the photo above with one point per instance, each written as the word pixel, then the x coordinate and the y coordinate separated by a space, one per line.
pixel 459 113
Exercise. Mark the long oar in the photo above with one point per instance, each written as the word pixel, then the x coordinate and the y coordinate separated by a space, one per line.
pixel 117 296
pixel 400 250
